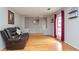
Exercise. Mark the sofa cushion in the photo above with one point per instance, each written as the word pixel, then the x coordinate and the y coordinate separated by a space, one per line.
pixel 4 35
pixel 8 33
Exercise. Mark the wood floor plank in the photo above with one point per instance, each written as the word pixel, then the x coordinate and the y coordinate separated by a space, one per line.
pixel 38 42
pixel 46 43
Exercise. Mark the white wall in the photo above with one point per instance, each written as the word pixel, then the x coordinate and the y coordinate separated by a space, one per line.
pixel 4 22
pixel 38 28
pixel 50 27
pixel 22 18
pixel 35 28
pixel 71 29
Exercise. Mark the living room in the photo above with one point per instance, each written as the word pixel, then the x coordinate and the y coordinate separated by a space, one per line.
pixel 40 22
pixel 41 27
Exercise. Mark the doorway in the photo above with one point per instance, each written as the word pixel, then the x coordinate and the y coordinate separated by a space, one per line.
pixel 59 26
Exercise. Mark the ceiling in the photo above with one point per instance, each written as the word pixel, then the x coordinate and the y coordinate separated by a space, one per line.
pixel 35 11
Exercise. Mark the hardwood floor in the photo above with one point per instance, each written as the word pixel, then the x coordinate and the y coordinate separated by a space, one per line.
pixel 38 42
pixel 46 43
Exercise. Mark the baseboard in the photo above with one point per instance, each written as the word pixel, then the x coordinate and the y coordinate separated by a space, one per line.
pixel 36 33
pixel 2 49
pixel 50 36
pixel 72 46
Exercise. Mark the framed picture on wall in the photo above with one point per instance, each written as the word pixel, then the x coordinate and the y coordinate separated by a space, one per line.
pixel 10 17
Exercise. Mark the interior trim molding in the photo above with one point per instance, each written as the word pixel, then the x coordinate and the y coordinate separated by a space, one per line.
pixel 1 49
pixel 72 46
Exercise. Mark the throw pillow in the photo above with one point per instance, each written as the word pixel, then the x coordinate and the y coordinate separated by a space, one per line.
pixel 18 31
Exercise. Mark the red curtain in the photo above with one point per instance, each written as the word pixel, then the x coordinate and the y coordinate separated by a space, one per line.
pixel 55 25
pixel 62 25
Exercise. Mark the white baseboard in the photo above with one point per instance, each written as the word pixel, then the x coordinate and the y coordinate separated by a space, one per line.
pixel 1 49
pixel 72 45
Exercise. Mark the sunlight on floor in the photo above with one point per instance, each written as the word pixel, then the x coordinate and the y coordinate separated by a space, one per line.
pixel 45 43
pixel 59 46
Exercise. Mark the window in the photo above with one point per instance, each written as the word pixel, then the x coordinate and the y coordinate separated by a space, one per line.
pixel 58 26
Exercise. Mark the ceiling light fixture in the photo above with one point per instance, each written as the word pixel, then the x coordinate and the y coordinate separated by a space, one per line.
pixel 48 8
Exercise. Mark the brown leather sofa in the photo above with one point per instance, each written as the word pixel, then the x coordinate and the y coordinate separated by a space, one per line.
pixel 12 40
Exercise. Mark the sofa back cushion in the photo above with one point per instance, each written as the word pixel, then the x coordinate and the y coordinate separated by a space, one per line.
pixel 8 33
pixel 4 35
